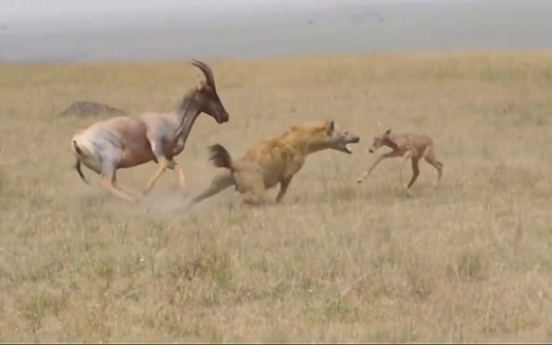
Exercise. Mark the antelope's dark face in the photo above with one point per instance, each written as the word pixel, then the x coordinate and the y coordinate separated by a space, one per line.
pixel 210 103
pixel 206 97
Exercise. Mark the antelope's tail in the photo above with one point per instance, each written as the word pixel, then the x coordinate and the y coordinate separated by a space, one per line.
pixel 77 164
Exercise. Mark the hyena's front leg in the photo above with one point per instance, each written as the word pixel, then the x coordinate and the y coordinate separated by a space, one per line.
pixel 284 184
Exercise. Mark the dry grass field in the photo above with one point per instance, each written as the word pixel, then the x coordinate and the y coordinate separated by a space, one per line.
pixel 336 261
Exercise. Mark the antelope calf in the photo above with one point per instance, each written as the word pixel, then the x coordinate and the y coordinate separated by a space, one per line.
pixel 127 141
pixel 409 146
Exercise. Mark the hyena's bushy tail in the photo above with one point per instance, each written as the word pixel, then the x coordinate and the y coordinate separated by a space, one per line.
pixel 220 157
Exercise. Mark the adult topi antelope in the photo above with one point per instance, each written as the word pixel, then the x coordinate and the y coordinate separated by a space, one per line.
pixel 125 141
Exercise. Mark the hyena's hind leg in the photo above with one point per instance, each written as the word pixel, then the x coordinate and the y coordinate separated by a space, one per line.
pixel 220 182
pixel 429 157
pixel 250 184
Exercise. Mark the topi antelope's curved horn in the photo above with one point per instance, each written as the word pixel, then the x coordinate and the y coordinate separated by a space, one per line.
pixel 209 77
pixel 379 125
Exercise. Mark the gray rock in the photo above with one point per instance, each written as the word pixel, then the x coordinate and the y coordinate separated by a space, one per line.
pixel 91 109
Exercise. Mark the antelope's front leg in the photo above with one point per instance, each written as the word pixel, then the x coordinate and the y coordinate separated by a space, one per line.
pixel 163 165
pixel 157 148
pixel 179 172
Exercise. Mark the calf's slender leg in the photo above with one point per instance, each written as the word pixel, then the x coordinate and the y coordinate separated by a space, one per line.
pixel 429 157
pixel 415 171
pixel 375 164
pixel 407 156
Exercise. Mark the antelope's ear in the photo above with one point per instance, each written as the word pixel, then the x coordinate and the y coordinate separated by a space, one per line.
pixel 202 84
pixel 330 127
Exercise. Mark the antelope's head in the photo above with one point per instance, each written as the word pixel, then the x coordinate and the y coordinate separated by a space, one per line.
pixel 206 97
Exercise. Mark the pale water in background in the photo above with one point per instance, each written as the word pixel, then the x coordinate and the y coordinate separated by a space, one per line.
pixel 180 30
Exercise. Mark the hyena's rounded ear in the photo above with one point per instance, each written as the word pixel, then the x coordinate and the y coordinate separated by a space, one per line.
pixel 330 127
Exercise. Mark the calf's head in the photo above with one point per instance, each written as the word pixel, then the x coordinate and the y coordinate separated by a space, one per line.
pixel 381 140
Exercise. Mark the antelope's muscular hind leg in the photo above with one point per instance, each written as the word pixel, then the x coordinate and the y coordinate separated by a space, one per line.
pixel 124 189
pixel 107 183
pixel 108 180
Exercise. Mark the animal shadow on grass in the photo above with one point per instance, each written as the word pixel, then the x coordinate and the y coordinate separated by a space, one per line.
pixel 329 194
pixel 95 198
pixel 351 192
pixel 158 202
pixel 164 201
pixel 390 193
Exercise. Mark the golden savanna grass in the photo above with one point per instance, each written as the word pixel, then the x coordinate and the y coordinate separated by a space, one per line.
pixel 336 261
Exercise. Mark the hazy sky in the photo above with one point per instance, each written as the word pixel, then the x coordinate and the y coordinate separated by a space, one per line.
pixel 16 10
pixel 21 9
pixel 88 30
